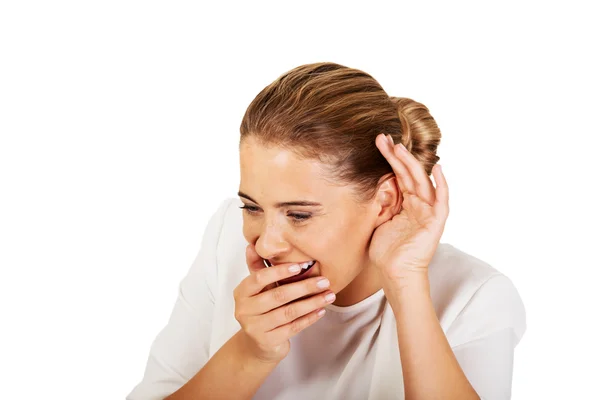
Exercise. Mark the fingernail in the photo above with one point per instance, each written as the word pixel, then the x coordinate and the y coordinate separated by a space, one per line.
pixel 321 312
pixel 294 268
pixel 390 139
pixel 323 283
pixel 330 297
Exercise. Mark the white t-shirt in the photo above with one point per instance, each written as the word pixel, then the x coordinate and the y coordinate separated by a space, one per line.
pixel 352 352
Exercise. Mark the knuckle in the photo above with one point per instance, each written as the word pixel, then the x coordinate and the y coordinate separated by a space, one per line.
pixel 290 312
pixel 260 278
pixel 241 288
pixel 239 306
pixel 241 311
pixel 297 325
pixel 278 294
pixel 238 315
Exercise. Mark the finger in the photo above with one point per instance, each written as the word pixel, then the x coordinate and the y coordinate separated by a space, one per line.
pixel 292 311
pixel 253 259
pixel 258 280
pixel 293 328
pixel 277 297
pixel 255 263
pixel 442 197
pixel 402 175
pixel 424 187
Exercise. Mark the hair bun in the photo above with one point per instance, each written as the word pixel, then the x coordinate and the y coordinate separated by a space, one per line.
pixel 420 133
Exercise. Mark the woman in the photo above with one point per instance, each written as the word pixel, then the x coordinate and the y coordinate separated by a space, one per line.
pixel 335 183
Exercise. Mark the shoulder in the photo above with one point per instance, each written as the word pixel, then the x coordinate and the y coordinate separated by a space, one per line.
pixel 471 297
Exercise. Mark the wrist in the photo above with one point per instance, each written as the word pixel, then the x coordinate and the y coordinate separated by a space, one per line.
pixel 406 289
pixel 406 280
pixel 252 355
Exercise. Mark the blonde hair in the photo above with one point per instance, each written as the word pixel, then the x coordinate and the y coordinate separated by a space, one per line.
pixel 332 113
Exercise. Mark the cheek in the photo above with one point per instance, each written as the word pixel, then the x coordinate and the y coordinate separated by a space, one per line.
pixel 346 246
pixel 334 248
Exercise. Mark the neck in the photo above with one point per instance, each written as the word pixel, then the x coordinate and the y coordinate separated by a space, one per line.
pixel 366 283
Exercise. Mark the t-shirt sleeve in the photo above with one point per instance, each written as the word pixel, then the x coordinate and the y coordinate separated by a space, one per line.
pixel 485 334
pixel 181 348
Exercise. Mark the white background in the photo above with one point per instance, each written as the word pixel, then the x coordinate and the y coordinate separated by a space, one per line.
pixel 119 125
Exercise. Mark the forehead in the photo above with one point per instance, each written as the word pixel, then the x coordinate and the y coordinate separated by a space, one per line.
pixel 277 173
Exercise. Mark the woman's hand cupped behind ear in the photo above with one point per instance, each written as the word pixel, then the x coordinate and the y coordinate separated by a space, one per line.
pixel 405 245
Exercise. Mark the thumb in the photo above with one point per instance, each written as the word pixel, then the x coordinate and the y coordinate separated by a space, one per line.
pixel 255 263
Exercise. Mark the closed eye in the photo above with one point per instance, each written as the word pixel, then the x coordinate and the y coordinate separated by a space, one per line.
pixel 299 217
pixel 296 218
pixel 249 209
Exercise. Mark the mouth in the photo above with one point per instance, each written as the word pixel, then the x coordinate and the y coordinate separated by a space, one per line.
pixel 305 266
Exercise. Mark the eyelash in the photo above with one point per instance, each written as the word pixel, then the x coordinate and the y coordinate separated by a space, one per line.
pixel 296 218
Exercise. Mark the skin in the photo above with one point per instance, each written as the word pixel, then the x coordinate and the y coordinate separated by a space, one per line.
pixel 269 175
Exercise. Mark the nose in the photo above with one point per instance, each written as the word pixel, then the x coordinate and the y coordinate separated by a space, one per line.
pixel 271 245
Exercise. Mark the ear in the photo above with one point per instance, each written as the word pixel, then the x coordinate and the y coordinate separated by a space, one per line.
pixel 388 199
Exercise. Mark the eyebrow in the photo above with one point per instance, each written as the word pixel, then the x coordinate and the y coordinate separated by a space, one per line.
pixel 285 203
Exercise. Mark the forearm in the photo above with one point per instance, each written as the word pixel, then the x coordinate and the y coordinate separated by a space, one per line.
pixel 231 373
pixel 430 369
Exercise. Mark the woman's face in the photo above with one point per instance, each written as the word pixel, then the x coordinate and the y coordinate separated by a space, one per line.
pixel 335 231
